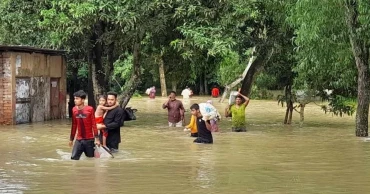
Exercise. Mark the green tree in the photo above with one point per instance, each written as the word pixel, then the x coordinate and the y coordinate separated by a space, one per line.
pixel 333 40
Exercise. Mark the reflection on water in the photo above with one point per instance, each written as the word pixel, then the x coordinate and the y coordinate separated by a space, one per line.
pixel 322 157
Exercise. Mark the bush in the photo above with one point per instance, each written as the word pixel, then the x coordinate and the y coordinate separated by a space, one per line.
pixel 137 95
pixel 340 105
pixel 262 94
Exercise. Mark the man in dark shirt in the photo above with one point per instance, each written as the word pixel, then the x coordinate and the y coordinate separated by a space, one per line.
pixel 175 110
pixel 112 123
pixel 203 125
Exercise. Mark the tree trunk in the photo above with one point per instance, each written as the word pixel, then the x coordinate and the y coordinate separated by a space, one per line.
pixel 360 51
pixel 362 112
pixel 290 113
pixel 236 82
pixel 286 115
pixel 109 66
pixel 98 75
pixel 201 85
pixel 224 95
pixel 264 55
pixel 133 83
pixel 162 77
pixel 174 85
pixel 72 89
pixel 90 83
pixel 289 105
pixel 206 92
pixel 301 114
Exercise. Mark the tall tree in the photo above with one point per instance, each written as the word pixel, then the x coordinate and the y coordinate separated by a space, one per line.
pixel 333 40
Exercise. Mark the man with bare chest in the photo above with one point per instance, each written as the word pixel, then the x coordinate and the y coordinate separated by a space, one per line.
pixel 175 110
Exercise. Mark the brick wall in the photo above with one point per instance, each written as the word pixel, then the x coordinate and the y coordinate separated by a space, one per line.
pixel 5 91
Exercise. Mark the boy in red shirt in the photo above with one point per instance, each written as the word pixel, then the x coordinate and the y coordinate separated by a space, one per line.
pixel 83 120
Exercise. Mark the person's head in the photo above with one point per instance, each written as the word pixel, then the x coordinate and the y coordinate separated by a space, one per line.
pixel 238 100
pixel 172 95
pixel 102 100
pixel 79 98
pixel 111 98
pixel 195 109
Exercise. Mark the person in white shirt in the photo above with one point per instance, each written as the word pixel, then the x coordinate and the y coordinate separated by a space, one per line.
pixel 186 93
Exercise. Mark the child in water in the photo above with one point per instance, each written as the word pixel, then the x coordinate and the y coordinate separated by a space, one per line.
pixel 100 112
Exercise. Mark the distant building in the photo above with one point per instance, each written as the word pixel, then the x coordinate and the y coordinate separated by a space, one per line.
pixel 32 84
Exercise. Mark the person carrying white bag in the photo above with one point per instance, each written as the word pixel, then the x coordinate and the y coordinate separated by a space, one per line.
pixel 208 110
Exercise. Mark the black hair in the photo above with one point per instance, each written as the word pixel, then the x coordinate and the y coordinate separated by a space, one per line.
pixel 112 93
pixel 173 92
pixel 241 98
pixel 102 96
pixel 81 94
pixel 195 107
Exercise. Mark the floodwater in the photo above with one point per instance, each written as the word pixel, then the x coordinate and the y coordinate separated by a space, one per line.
pixel 322 157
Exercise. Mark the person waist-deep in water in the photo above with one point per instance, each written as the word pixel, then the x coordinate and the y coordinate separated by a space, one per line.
pixel 186 93
pixel 83 121
pixel 215 92
pixel 152 93
pixel 203 125
pixel 112 123
pixel 100 113
pixel 175 110
pixel 237 113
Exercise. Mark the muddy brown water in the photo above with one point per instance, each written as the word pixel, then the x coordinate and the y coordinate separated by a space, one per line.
pixel 322 157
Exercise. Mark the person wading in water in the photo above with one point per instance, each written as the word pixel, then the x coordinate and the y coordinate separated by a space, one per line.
pixel 83 121
pixel 237 113
pixel 113 121
pixel 175 111
pixel 100 112
pixel 203 125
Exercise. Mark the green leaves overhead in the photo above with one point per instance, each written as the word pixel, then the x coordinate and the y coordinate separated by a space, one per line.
pixel 323 47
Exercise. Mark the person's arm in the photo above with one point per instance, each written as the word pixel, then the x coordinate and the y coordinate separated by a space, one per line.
pixel 192 122
pixel 227 111
pixel 116 123
pixel 107 107
pixel 182 111
pixel 208 124
pixel 165 105
pixel 94 128
pixel 246 99
pixel 73 129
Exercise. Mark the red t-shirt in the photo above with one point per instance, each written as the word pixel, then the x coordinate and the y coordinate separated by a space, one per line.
pixel 84 121
pixel 215 92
